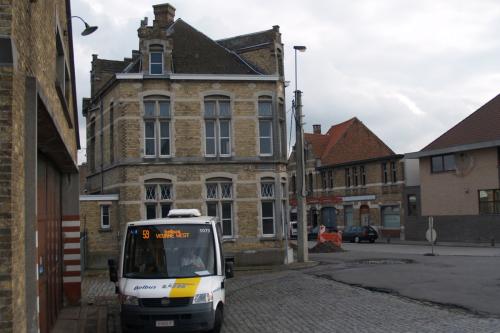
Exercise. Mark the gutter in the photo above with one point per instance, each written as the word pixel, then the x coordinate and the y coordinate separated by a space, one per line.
pixel 454 149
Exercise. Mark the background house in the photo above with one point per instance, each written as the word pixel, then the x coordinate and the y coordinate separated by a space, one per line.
pixel 460 180
pixel 39 222
pixel 352 178
pixel 189 122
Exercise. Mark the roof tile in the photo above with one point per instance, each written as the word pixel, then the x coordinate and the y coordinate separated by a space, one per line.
pixel 481 126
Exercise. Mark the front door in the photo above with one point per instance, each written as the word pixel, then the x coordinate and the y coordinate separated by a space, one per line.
pixel 49 256
pixel 329 218
pixel 364 212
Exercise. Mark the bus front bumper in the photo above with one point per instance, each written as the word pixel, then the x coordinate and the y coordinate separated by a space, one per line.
pixel 193 317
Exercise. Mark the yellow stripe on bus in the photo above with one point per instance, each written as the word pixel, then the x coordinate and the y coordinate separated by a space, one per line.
pixel 185 287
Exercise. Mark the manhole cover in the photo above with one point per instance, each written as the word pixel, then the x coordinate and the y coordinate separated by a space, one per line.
pixel 385 261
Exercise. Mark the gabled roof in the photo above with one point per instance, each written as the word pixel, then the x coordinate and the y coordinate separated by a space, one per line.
pixel 195 53
pixel 253 40
pixel 111 66
pixel 349 141
pixel 481 126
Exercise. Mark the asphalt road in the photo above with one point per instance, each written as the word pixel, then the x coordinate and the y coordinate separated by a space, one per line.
pixel 463 277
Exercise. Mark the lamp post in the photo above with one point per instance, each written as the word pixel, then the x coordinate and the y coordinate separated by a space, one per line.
pixel 302 248
pixel 88 29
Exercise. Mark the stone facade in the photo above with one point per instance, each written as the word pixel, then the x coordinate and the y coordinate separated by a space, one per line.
pixel 124 159
pixel 33 102
pixel 101 238
pixel 363 186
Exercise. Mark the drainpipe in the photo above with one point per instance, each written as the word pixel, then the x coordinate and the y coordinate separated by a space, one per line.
pixel 102 144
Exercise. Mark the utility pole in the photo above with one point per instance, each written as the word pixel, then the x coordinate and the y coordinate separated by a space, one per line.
pixel 302 248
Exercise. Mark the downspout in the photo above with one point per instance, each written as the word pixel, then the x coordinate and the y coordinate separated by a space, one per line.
pixel 102 144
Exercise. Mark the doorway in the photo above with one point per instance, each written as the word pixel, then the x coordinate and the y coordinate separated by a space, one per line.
pixel 49 255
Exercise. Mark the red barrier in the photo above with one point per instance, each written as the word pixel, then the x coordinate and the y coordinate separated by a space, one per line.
pixel 334 237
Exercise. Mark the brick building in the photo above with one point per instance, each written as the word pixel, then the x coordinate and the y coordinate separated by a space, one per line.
pixel 352 178
pixel 459 181
pixel 190 122
pixel 38 172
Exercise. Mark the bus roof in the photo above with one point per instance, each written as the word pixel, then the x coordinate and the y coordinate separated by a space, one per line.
pixel 175 220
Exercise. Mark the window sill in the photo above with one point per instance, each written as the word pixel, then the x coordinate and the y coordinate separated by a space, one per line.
pixel 268 238
pixel 104 229
pixel 444 171
pixel 229 240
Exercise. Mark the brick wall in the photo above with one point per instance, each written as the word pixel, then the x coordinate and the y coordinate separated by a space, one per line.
pixel 101 244
pixel 6 308
pixel 30 26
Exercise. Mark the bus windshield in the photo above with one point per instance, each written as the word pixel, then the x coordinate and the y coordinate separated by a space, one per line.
pixel 169 251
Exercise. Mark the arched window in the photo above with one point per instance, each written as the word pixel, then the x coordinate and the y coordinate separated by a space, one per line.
pixel 157 126
pixel 158 198
pixel 219 198
pixel 156 59
pixel 267 195
pixel 217 114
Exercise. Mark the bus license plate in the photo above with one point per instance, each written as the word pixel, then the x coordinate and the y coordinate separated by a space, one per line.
pixel 164 323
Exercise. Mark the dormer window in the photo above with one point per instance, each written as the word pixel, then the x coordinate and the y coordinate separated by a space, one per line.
pixel 156 60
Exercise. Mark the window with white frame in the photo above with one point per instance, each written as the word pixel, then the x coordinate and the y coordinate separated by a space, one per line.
pixel 157 126
pixel 219 199
pixel 330 179
pixel 267 195
pixel 158 198
pixel 217 114
pixel 156 59
pixel 265 126
pixel 105 221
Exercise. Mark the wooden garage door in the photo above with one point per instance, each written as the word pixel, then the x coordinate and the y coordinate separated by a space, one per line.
pixel 49 243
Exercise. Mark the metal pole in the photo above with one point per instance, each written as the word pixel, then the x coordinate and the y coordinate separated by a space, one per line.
pixel 302 248
pixel 295 76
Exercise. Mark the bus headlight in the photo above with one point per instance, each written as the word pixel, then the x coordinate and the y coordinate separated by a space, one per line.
pixel 129 300
pixel 203 298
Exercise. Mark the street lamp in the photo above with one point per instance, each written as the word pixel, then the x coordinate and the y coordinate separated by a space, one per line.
pixel 88 29
pixel 302 249
pixel 299 48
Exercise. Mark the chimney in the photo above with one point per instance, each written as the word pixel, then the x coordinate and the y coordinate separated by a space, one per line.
pixel 317 129
pixel 164 14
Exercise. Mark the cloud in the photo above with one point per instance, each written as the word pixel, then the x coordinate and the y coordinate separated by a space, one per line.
pixel 409 70
pixel 409 104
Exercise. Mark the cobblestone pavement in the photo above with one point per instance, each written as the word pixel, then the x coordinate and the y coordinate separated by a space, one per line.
pixel 298 301
pixel 293 301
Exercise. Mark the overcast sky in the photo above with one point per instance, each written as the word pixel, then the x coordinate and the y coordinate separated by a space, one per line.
pixel 409 70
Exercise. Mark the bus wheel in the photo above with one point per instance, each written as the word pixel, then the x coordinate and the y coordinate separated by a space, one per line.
pixel 219 317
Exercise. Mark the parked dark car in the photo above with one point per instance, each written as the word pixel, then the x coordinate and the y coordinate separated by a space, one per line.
pixel 358 234
pixel 312 233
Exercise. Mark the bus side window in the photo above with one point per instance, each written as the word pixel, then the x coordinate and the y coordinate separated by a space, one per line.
pixel 221 256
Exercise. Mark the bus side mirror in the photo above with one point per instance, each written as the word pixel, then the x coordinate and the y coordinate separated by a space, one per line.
pixel 113 272
pixel 229 269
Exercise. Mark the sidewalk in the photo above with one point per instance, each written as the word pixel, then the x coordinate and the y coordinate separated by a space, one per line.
pixel 82 319
pixel 97 304
pixel 438 243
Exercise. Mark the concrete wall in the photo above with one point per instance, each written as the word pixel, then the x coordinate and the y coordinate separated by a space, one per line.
pixel 466 228
pixel 456 193
pixel 412 172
